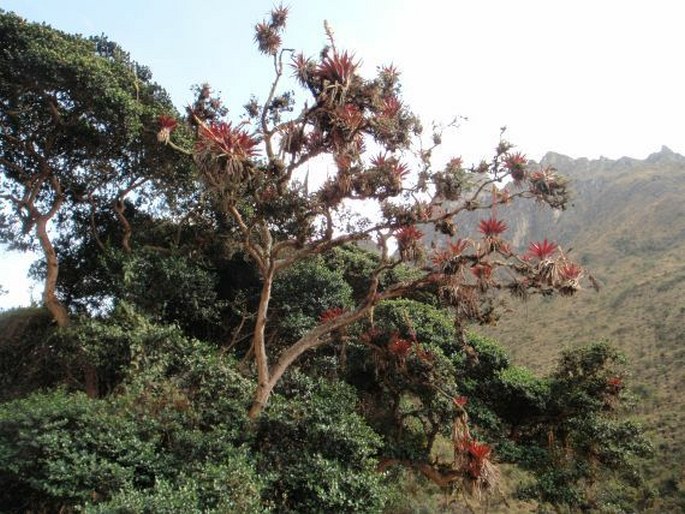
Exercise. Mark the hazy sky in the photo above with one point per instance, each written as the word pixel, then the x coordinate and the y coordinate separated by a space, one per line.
pixel 583 78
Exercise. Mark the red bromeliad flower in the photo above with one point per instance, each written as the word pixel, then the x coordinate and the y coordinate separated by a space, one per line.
pixel 390 107
pixel 397 169
pixel 460 401
pixel 455 249
pixel 570 271
pixel 304 68
pixel 458 247
pixel 440 258
pixel 491 227
pixel 542 249
pixel 389 73
pixel 339 68
pixel 408 235
pixel 516 164
pixel 278 16
pixel 331 314
pixel 455 163
pixel 478 453
pixel 399 346
pixel 267 38
pixel 224 139
pixel 615 384
pixel 167 124
pixel 482 271
pixel 350 117
pixel 379 161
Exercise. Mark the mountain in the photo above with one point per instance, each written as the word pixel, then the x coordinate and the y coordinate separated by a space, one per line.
pixel 626 225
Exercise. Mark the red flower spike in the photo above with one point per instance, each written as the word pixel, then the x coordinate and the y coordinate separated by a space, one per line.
pixel 331 314
pixel 399 347
pixel 390 107
pixel 222 138
pixel 303 67
pixel 267 38
pixel 278 16
pixel 542 249
pixel 458 247
pixel 379 161
pixel 408 235
pixel 515 161
pixel 440 258
pixel 492 227
pixel 167 122
pixel 339 68
pixel 460 401
pixel 389 73
pixel 615 383
pixel 350 117
pixel 480 451
pixel 570 271
pixel 400 171
pixel 454 164
pixel 482 271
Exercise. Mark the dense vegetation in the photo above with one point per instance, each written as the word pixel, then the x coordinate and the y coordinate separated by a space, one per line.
pixel 214 338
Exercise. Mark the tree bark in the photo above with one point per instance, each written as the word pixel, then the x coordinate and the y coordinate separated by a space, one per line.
pixel 50 300
pixel 52 303
pixel 264 386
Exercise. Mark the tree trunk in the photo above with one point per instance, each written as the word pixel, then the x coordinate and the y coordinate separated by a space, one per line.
pixel 309 341
pixel 54 306
pixel 52 303
pixel 264 387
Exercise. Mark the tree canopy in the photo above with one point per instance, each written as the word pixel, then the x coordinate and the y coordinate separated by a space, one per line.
pixel 76 116
pixel 257 341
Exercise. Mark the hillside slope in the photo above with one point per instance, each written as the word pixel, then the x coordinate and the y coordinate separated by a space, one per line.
pixel 627 225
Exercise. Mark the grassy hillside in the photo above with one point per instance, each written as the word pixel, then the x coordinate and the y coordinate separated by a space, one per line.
pixel 627 225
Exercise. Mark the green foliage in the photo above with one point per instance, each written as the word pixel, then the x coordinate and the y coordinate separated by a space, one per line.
pixel 230 487
pixel 428 324
pixel 172 289
pixel 172 433
pixel 78 109
pixel 304 292
pixel 318 453
pixel 565 428
pixel 58 449
pixel 358 266
pixel 27 361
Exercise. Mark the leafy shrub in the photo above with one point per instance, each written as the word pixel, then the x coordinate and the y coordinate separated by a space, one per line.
pixel 27 360
pixel 59 449
pixel 230 487
pixel 305 291
pixel 318 454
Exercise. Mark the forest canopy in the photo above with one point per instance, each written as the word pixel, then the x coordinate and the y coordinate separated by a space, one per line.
pixel 220 334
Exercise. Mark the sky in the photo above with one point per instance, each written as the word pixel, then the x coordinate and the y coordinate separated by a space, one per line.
pixel 582 78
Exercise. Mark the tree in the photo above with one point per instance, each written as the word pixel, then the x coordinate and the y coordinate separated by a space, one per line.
pixel 253 171
pixel 75 116
pixel 391 323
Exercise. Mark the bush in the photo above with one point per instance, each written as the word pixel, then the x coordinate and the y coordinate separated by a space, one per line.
pixel 318 454
pixel 59 449
pixel 27 360
pixel 231 487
